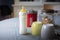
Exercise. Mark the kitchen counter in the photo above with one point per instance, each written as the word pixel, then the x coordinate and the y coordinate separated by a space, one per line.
pixel 28 37
pixel 9 30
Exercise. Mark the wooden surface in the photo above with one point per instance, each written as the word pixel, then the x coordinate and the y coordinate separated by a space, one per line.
pixel 47 6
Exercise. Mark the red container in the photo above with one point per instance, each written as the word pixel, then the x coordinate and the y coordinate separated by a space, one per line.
pixel 31 17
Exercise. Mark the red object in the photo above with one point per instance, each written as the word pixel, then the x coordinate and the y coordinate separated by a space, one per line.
pixel 31 17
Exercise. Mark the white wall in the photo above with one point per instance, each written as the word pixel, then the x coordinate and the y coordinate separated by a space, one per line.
pixel 18 8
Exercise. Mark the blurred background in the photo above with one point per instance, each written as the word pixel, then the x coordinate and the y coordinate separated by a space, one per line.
pixel 6 9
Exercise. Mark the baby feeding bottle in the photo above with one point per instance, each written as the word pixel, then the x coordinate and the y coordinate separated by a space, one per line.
pixel 22 21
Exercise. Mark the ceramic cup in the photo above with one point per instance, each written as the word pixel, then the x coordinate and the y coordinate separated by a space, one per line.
pixel 36 28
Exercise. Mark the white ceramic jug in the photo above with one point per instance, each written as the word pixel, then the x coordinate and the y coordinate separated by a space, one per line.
pixel 47 31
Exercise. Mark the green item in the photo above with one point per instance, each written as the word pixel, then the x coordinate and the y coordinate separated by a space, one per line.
pixel 36 28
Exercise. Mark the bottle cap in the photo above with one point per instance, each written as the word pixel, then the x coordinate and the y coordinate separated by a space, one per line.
pixel 23 9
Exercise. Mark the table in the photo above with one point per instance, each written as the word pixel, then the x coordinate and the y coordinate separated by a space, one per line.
pixel 9 30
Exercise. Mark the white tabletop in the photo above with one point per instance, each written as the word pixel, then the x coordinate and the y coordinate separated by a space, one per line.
pixel 9 30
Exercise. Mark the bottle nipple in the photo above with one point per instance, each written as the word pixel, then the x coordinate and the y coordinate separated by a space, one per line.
pixel 23 9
